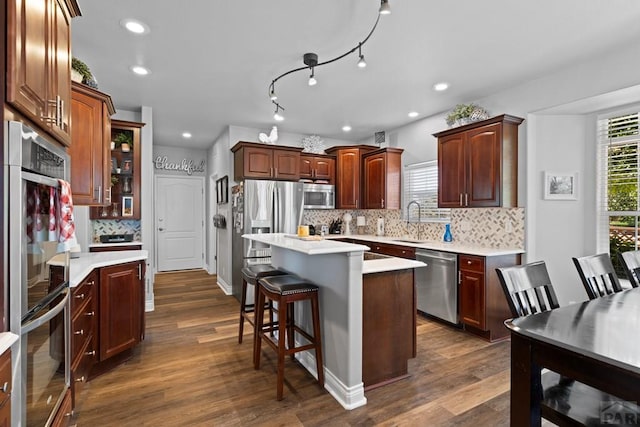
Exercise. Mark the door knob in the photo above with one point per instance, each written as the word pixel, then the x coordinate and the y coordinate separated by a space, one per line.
pixel 160 229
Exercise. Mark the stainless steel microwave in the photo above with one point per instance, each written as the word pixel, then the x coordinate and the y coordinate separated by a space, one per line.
pixel 319 196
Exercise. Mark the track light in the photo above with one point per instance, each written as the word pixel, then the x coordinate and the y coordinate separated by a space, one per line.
pixel 312 79
pixel 385 9
pixel 311 61
pixel 277 116
pixel 361 62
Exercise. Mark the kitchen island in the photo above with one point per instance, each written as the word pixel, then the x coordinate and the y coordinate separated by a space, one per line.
pixel 338 269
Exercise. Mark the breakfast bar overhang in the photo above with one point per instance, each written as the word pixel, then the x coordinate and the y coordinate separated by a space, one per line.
pixel 337 268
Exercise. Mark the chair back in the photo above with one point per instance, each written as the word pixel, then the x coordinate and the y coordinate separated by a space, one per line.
pixel 598 275
pixel 630 261
pixel 528 288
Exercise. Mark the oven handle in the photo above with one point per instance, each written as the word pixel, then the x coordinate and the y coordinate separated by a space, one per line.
pixel 40 179
pixel 30 326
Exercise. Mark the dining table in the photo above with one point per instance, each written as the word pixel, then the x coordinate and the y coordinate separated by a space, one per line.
pixel 595 342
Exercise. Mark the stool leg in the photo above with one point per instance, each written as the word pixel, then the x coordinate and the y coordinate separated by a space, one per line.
pixel 290 328
pixel 317 337
pixel 282 328
pixel 257 326
pixel 243 304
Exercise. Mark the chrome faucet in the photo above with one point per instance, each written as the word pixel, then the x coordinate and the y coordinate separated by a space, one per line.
pixel 419 215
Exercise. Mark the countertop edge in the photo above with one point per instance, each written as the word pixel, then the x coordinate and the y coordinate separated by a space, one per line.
pixel 7 339
pixel 88 261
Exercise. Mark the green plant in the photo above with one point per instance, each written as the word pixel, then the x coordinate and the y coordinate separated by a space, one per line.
pixel 114 180
pixel 82 68
pixel 461 111
pixel 122 138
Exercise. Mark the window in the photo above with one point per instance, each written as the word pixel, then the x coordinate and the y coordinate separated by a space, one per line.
pixel 421 185
pixel 619 185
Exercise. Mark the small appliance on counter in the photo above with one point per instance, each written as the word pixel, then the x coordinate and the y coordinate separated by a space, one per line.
pixel 335 227
pixel 116 238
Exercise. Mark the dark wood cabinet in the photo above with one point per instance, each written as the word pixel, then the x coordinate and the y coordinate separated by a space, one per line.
pixel 482 303
pixel 91 113
pixel 318 167
pixel 83 332
pixel 39 62
pixel 478 164
pixel 259 161
pixel 64 414
pixel 121 308
pixel 5 390
pixel 382 178
pixel 392 250
pixel 348 175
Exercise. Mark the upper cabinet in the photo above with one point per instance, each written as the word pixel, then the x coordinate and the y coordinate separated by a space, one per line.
pixel 91 113
pixel 318 167
pixel 39 62
pixel 382 178
pixel 348 175
pixel 478 164
pixel 258 161
pixel 124 172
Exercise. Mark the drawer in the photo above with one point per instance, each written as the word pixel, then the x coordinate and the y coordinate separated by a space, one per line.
pixel 82 327
pixel 83 292
pixel 81 370
pixel 471 263
pixel 393 250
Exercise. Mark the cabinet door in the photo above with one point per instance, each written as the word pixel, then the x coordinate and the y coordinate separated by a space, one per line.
pixel 325 169
pixel 60 71
pixel 121 300
pixel 348 179
pixel 286 165
pixel 375 181
pixel 65 412
pixel 472 300
pixel 27 42
pixel 258 162
pixel 483 155
pixel 451 171
pixel 307 164
pixel 88 153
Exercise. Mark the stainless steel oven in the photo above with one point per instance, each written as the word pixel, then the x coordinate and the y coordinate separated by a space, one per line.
pixel 38 274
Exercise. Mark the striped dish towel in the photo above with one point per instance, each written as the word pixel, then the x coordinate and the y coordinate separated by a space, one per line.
pixel 66 225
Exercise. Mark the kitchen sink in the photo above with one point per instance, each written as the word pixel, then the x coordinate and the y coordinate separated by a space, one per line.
pixel 412 241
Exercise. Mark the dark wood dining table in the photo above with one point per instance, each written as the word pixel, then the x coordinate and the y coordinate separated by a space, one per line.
pixel 595 342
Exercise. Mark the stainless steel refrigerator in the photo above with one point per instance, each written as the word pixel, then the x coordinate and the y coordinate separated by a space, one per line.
pixel 261 207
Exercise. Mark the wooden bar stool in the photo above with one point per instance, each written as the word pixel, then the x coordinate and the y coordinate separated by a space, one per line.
pixel 285 291
pixel 250 276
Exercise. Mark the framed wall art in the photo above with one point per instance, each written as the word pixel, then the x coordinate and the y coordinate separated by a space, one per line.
pixel 560 185
pixel 222 190
pixel 127 206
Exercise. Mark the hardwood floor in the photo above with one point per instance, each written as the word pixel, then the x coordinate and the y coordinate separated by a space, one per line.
pixel 191 371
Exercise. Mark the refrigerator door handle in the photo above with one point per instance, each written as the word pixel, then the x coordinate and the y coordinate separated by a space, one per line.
pixel 276 210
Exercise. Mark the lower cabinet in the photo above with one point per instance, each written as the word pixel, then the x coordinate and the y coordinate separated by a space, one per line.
pixel 482 303
pixel 5 389
pixel 65 412
pixel 83 332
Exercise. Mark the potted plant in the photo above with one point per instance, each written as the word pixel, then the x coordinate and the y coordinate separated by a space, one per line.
pixel 463 114
pixel 80 72
pixel 122 140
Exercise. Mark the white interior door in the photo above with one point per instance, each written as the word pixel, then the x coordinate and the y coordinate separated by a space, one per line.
pixel 179 222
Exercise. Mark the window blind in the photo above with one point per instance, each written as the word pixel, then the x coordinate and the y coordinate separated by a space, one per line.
pixel 421 185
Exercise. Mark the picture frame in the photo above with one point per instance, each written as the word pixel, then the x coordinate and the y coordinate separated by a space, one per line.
pixel 127 206
pixel 114 165
pixel 560 185
pixel 222 190
pixel 127 166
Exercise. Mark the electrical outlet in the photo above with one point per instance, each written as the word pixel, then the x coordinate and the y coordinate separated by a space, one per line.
pixel 508 226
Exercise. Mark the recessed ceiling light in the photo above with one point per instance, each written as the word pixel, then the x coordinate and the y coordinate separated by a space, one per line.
pixel 186 135
pixel 140 70
pixel 413 114
pixel 441 86
pixel 346 128
pixel 135 26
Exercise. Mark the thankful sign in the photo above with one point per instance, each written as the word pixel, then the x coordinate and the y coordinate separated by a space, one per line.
pixel 187 166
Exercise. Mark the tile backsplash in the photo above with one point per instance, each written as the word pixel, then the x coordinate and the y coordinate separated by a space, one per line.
pixel 115 226
pixel 489 227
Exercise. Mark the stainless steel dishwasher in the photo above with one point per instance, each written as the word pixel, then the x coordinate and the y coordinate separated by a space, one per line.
pixel 437 284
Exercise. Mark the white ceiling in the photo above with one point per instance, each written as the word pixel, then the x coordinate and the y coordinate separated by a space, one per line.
pixel 213 60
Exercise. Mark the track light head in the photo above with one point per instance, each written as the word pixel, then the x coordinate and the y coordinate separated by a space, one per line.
pixel 277 116
pixel 385 9
pixel 312 79
pixel 361 62
pixel 272 94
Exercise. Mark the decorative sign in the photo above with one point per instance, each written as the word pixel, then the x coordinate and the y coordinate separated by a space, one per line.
pixel 188 166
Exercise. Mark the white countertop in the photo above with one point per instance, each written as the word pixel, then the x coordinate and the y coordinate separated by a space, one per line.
pixel 309 247
pixel 6 341
pixel 389 264
pixel 454 246
pixel 82 266
pixel 104 245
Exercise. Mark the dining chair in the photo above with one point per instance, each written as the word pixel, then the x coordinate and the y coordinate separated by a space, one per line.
pixel 630 261
pixel 598 275
pixel 528 288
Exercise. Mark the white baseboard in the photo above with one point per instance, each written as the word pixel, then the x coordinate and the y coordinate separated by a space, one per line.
pixel 226 288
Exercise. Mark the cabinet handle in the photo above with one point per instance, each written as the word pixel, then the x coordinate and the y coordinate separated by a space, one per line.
pixel 271 171
pixel 5 387
pixel 468 262
pixel 80 332
pixel 60 112
pixel 81 296
pixel 80 380
pixel 90 353
pixel 466 199
pixel 276 175
pixel 99 190
pixel 461 200
pixel 383 203
pixel 91 283
pixel 69 414
pixel 91 313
